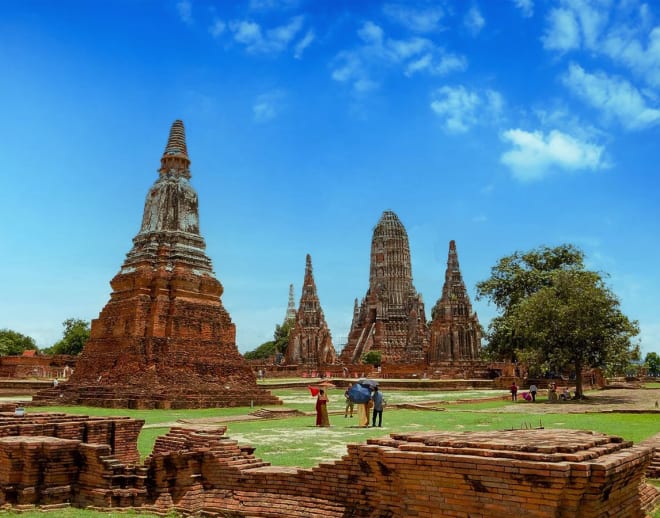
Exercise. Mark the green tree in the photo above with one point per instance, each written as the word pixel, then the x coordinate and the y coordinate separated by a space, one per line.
pixel 14 343
pixel 652 363
pixel 372 358
pixel 281 336
pixel 279 343
pixel 75 336
pixel 555 313
pixel 514 278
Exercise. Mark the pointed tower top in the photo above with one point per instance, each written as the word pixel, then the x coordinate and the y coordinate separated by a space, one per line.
pixel 175 157
pixel 308 264
pixel 291 309
pixel 452 245
pixel 389 225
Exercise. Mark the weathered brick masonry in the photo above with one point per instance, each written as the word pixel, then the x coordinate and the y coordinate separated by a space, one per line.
pixel 164 340
pixel 531 473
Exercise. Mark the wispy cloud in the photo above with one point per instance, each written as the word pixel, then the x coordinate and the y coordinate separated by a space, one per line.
pixel 268 106
pixel 272 5
pixel 461 109
pixel 474 21
pixel 563 31
pixel 217 28
pixel 275 40
pixel 421 20
pixel 535 154
pixel 184 8
pixel 615 97
pixel 377 53
pixel 305 42
pixel 525 6
pixel 621 31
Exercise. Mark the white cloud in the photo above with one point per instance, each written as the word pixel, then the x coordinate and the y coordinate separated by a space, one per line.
pixel 526 6
pixel 273 40
pixel 642 57
pixel 217 28
pixel 461 109
pixel 615 97
pixel 184 8
pixel 371 33
pixel 535 154
pixel 267 106
pixel 247 33
pixel 378 52
pixel 621 31
pixel 305 42
pixel 417 20
pixel 474 21
pixel 563 32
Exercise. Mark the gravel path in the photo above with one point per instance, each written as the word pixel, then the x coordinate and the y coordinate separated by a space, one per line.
pixel 608 400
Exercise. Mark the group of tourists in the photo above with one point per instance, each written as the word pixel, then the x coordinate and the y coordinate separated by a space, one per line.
pixel 371 409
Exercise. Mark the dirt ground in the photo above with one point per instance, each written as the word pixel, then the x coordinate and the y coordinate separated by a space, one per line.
pixel 619 399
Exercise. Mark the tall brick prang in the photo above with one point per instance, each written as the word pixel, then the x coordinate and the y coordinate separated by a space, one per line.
pixel 391 317
pixel 164 339
pixel 455 329
pixel 310 342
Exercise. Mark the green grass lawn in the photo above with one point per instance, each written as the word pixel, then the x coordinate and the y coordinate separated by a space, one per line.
pixel 297 442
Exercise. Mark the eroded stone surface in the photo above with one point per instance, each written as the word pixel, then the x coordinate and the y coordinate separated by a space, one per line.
pixel 535 473
pixel 164 339
pixel 310 342
pixel 391 317
pixel 455 330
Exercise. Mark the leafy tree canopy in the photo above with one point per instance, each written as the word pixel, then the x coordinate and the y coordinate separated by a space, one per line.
pixel 372 358
pixel 75 336
pixel 556 313
pixel 652 363
pixel 268 349
pixel 264 351
pixel 14 343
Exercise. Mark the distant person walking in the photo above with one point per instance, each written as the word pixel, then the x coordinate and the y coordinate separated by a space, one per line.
pixel 379 402
pixel 533 389
pixel 514 391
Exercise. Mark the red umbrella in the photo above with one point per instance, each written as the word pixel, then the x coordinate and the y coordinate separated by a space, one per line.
pixel 313 390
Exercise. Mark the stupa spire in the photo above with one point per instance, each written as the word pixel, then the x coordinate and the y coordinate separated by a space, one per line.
pixel 291 308
pixel 175 157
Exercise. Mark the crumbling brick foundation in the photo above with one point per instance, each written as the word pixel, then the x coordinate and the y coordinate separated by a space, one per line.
pixel 531 473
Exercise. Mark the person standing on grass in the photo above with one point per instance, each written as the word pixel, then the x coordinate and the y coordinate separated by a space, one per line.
pixel 379 402
pixel 322 418
pixel 532 390
pixel 349 404
pixel 514 391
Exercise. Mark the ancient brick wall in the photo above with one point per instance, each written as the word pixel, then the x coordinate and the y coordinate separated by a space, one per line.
pixel 118 433
pixel 531 473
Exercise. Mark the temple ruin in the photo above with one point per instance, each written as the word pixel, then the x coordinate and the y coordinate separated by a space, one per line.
pixel 455 328
pixel 164 340
pixel 310 342
pixel 57 460
pixel 391 317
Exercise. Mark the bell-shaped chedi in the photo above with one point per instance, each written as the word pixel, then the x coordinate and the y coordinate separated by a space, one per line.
pixel 310 342
pixel 455 329
pixel 164 339
pixel 391 317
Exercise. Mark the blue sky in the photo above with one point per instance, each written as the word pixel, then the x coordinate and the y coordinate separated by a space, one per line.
pixel 504 125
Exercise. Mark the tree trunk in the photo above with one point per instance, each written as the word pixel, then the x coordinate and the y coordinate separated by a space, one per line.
pixel 578 380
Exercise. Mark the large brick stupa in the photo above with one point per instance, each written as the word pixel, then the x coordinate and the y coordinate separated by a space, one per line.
pixel 164 340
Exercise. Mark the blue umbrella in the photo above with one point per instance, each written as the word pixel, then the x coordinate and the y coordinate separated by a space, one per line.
pixel 359 393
